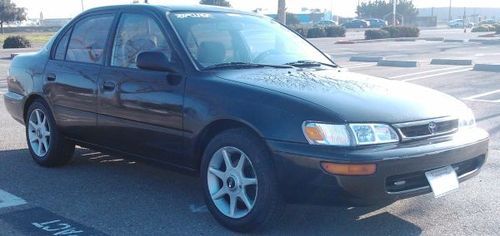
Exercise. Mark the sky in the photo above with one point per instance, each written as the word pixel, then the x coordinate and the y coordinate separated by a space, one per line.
pixel 70 8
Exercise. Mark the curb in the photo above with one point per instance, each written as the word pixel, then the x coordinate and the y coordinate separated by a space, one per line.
pixel 366 58
pixel 454 62
pixel 398 63
pixel 409 39
pixel 344 42
pixel 487 67
pixel 454 41
pixel 405 39
pixel 440 39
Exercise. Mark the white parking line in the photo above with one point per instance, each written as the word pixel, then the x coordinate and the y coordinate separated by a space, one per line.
pixel 439 74
pixel 477 97
pixel 9 200
pixel 198 208
pixel 423 72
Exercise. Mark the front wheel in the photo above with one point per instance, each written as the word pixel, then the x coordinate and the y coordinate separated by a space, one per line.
pixel 46 144
pixel 240 188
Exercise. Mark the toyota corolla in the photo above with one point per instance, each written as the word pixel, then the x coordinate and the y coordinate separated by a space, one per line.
pixel 260 114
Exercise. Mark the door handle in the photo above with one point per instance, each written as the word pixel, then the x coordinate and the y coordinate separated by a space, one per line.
pixel 51 77
pixel 109 85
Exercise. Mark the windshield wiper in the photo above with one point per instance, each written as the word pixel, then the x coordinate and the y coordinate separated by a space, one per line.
pixel 309 63
pixel 242 65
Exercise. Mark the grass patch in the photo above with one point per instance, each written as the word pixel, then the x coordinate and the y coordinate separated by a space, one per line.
pixel 36 39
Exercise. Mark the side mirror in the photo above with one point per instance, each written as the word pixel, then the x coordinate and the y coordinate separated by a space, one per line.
pixel 154 60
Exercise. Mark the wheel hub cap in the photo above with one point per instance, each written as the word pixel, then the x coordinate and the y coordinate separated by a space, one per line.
pixel 38 132
pixel 232 182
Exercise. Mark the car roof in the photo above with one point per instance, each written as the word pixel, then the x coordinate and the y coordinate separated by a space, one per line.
pixel 172 8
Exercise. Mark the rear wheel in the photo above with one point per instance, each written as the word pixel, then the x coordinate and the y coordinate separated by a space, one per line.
pixel 47 146
pixel 240 188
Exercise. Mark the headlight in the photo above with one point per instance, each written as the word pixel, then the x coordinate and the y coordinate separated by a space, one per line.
pixel 466 119
pixel 373 134
pixel 348 135
pixel 326 134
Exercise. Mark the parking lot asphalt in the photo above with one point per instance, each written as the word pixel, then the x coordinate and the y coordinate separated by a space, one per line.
pixel 109 195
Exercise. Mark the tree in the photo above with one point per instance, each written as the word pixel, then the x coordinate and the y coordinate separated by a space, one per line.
pixel 383 8
pixel 222 3
pixel 9 12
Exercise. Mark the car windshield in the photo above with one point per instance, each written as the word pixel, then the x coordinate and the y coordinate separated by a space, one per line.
pixel 214 38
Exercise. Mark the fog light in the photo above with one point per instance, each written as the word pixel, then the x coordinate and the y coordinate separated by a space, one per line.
pixel 349 169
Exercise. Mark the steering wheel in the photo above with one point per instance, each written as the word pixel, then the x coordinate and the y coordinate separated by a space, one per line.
pixel 264 54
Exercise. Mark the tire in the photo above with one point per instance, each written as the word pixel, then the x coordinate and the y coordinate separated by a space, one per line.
pixel 47 145
pixel 264 198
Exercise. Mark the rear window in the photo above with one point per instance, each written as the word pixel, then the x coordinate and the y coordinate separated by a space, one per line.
pixel 89 39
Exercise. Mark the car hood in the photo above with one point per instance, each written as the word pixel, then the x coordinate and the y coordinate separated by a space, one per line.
pixel 353 97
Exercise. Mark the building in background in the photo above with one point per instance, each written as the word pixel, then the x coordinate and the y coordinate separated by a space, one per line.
pixel 54 22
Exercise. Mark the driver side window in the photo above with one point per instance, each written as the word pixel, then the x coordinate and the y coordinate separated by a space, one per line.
pixel 137 33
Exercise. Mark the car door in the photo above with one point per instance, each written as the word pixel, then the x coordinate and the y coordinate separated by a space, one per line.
pixel 72 72
pixel 140 111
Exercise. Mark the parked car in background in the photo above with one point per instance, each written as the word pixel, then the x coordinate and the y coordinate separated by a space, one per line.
pixel 459 23
pixel 258 113
pixel 488 22
pixel 357 23
pixel 327 23
pixel 377 23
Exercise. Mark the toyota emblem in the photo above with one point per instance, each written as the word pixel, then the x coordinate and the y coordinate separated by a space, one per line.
pixel 432 127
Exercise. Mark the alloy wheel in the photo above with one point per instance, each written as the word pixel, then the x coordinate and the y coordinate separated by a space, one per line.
pixel 39 132
pixel 232 182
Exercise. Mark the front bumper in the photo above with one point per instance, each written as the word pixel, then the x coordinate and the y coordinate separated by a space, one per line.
pixel 303 180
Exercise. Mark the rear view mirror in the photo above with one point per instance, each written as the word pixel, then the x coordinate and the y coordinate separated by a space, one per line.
pixel 154 60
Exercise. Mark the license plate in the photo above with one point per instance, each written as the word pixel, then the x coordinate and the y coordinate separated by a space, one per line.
pixel 442 180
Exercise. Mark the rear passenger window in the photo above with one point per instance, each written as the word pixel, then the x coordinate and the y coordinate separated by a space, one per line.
pixel 89 39
pixel 61 47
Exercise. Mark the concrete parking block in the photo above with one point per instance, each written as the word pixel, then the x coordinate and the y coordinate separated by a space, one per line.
pixel 455 62
pixel 491 42
pixel 487 67
pixel 366 58
pixel 395 63
pixel 478 40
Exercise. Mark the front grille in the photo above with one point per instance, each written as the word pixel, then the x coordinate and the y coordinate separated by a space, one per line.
pixel 427 128
pixel 417 180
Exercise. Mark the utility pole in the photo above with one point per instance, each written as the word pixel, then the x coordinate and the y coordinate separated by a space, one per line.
pixel 465 23
pixel 394 12
pixel 81 1
pixel 146 1
pixel 282 11
pixel 449 13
